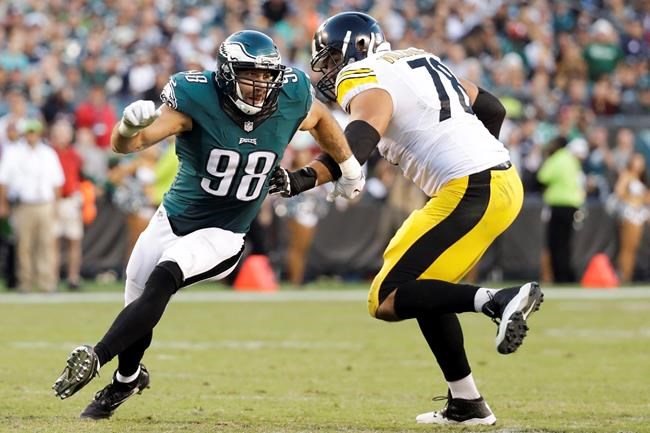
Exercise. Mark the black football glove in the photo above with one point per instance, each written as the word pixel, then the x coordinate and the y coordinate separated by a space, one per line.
pixel 290 183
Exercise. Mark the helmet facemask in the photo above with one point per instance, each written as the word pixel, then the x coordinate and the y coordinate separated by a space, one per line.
pixel 328 61
pixel 342 39
pixel 253 89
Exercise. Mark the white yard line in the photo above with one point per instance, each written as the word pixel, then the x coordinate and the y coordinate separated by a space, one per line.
pixel 251 345
pixel 294 296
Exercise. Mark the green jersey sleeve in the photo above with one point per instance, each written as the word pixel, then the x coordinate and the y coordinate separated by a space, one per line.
pixel 180 91
pixel 298 91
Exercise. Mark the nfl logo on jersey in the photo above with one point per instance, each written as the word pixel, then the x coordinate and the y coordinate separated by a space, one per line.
pixel 248 126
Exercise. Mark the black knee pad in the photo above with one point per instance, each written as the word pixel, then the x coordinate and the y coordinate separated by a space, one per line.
pixel 165 279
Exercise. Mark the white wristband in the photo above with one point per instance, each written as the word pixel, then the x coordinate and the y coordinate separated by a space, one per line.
pixel 127 131
pixel 350 168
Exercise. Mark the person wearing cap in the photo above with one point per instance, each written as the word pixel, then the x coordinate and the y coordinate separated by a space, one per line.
pixel 604 52
pixel 33 172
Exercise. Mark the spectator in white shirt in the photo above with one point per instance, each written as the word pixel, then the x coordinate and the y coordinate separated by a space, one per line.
pixel 31 170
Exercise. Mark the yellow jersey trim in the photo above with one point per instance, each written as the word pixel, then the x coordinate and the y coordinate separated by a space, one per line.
pixel 347 84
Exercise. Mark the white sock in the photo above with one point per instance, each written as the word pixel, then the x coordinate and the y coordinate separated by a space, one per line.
pixel 127 379
pixel 464 388
pixel 482 296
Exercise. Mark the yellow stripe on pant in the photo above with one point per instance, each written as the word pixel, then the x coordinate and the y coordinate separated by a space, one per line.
pixel 444 239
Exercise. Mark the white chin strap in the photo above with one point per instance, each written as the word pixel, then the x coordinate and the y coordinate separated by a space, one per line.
pixel 243 106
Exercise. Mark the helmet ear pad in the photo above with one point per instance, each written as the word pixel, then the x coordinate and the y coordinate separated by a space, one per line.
pixel 362 44
pixel 226 79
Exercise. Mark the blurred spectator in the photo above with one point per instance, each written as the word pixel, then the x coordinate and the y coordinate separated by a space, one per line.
pixel 186 42
pixel 633 201
pixel 635 45
pixel 624 147
pixel 97 114
pixel 562 176
pixel 9 127
pixel 302 212
pixel 510 81
pixel 603 53
pixel 628 88
pixel 570 63
pixel 33 171
pixel 142 75
pixel 94 160
pixel 59 104
pixel 275 10
pixel 13 57
pixel 16 116
pixel 69 224
pixel 606 97
pixel 133 181
pixel 644 95
pixel 599 165
pixel 539 52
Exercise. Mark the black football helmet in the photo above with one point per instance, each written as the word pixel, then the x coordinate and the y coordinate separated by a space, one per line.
pixel 246 50
pixel 344 38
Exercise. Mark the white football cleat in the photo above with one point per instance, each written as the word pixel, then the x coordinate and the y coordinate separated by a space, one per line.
pixel 509 308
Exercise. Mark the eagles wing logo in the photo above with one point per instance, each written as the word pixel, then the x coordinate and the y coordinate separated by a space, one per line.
pixel 168 95
pixel 248 126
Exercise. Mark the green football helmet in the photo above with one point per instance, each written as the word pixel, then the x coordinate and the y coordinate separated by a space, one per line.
pixel 250 50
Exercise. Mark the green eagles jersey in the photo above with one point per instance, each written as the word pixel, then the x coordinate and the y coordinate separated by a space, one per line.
pixel 223 169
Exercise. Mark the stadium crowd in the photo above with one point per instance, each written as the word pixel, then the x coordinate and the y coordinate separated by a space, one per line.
pixel 568 69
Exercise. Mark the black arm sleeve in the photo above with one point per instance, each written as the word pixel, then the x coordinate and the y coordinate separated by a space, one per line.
pixel 489 111
pixel 362 138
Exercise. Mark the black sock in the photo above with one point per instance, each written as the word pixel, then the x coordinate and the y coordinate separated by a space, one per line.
pixel 129 359
pixel 419 298
pixel 138 318
pixel 445 338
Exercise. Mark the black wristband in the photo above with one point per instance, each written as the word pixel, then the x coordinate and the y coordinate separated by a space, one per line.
pixel 330 164
pixel 302 180
pixel 362 138
pixel 489 111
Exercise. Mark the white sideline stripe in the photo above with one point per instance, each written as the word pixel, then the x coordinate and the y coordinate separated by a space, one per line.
pixel 210 345
pixel 293 296
pixel 598 334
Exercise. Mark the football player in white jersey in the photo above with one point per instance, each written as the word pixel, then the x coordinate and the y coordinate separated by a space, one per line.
pixel 442 132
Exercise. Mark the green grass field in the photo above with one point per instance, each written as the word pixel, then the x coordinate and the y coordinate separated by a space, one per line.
pixel 314 361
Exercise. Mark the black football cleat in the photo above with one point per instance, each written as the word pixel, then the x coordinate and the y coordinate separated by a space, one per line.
pixel 509 309
pixel 82 366
pixel 460 411
pixel 113 395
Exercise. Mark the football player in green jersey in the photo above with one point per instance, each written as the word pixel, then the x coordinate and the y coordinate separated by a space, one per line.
pixel 232 126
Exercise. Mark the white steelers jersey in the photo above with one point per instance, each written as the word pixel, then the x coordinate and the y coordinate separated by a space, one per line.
pixel 433 135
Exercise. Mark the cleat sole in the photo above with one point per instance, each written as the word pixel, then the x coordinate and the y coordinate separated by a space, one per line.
pixel 513 329
pixel 79 370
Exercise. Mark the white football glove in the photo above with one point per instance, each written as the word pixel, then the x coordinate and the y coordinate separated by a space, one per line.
pixel 137 115
pixel 351 182
pixel 347 188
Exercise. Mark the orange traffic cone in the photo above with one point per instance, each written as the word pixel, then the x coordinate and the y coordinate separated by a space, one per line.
pixel 599 273
pixel 256 275
pixel 88 198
